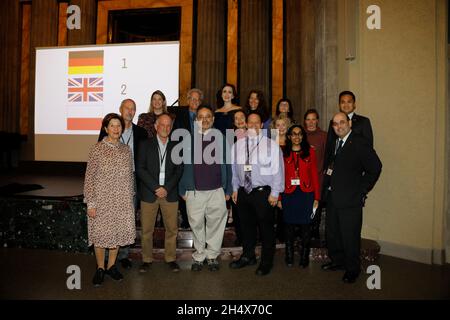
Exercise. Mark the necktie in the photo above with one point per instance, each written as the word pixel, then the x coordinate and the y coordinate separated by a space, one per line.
pixel 247 174
pixel 341 142
pixel 191 121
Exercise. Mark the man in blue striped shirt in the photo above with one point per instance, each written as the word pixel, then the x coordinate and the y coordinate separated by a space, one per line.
pixel 258 179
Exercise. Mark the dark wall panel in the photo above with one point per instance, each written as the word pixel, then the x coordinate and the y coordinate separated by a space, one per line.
pixel 44 33
pixel 255 48
pixel 210 48
pixel 300 54
pixel 10 66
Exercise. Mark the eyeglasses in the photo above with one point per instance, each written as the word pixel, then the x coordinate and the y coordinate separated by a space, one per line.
pixel 204 117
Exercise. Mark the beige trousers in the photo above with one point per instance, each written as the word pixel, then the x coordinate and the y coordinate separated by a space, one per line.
pixel 169 212
pixel 207 214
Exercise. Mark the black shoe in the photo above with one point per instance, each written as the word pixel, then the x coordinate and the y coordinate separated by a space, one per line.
pixel 98 277
pixel 263 269
pixel 126 263
pixel 315 234
pixel 289 254
pixel 185 225
pixel 330 266
pixel 213 264
pixel 350 277
pixel 145 267
pixel 197 266
pixel 114 273
pixel 243 262
pixel 174 266
pixel 304 257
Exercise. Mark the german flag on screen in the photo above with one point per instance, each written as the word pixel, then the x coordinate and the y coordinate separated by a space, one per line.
pixel 86 62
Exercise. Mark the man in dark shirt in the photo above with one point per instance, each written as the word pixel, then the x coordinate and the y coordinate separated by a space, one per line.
pixel 206 186
pixel 184 119
pixel 360 124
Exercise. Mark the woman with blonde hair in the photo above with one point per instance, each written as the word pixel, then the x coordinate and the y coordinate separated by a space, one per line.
pixel 158 105
pixel 282 124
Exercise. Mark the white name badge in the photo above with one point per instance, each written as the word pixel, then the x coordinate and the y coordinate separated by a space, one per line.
pixel 329 171
pixel 247 167
pixel 295 182
pixel 162 176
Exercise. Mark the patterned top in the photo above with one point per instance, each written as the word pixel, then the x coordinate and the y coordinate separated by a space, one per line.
pixel 147 121
pixel 109 188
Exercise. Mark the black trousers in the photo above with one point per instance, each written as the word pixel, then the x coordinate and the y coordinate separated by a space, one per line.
pixel 236 222
pixel 305 234
pixel 256 212
pixel 343 233
pixel 183 213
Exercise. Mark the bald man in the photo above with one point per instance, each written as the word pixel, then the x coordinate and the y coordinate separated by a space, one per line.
pixel 352 170
pixel 157 189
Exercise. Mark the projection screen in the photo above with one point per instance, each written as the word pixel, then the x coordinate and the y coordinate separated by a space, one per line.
pixel 77 86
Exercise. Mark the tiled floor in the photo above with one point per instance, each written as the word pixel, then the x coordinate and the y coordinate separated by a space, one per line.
pixel 41 274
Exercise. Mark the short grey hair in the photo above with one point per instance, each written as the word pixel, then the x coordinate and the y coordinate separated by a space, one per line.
pixel 127 100
pixel 200 93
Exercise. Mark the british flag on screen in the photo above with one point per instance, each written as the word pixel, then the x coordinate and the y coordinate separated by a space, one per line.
pixel 85 89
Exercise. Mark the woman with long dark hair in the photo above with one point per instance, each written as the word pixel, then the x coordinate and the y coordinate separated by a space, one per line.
pixel 301 193
pixel 227 104
pixel 284 107
pixel 257 103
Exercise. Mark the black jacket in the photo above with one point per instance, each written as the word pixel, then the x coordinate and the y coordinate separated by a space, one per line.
pixel 147 170
pixel 360 125
pixel 355 171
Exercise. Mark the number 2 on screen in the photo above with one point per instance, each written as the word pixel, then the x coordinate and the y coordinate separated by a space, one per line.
pixel 124 86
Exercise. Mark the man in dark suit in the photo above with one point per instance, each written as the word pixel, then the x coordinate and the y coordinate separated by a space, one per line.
pixel 352 170
pixel 184 119
pixel 132 135
pixel 137 134
pixel 360 124
pixel 158 182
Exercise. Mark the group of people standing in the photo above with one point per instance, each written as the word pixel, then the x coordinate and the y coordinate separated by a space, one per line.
pixel 204 163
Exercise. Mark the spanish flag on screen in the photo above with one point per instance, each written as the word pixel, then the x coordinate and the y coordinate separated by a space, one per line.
pixel 86 62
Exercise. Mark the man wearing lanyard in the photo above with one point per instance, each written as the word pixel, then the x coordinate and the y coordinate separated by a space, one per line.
pixel 132 135
pixel 158 180
pixel 258 179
